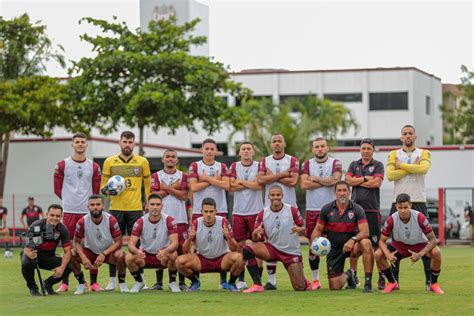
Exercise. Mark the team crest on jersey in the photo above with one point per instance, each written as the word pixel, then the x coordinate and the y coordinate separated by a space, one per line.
pixel 371 169
pixel 56 235
pixel 407 234
pixel 79 172
pixel 136 171
pixel 209 237
pixel 350 214
pixel 98 235
pixel 375 238
pixel 154 232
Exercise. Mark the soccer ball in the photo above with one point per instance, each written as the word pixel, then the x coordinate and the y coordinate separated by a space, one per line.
pixel 321 246
pixel 8 254
pixel 116 183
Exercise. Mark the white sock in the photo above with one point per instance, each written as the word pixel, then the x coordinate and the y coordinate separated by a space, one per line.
pixel 113 279
pixel 315 274
pixel 272 279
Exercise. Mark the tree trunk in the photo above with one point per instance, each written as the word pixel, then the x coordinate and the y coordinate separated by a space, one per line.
pixel 4 148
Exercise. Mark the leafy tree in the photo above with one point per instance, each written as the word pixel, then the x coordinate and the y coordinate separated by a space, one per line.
pixel 149 79
pixel 298 120
pixel 29 103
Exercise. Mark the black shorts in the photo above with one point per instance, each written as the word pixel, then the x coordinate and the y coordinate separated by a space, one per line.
pixel 417 206
pixel 335 262
pixel 373 220
pixel 126 220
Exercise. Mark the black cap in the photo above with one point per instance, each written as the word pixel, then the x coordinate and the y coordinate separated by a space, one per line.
pixel 367 141
pixel 30 198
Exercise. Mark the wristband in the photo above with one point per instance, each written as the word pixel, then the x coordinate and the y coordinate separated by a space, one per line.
pixel 102 253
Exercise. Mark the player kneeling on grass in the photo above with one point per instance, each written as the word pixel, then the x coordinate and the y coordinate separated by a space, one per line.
pixel 215 248
pixel 97 240
pixel 158 237
pixel 413 237
pixel 281 224
pixel 346 227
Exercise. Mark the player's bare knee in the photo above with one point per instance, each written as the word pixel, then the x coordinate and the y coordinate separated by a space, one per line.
pixel 366 245
pixel 378 254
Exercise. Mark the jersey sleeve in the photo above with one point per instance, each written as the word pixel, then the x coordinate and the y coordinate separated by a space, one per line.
pixel 225 223
pixel 79 233
pixel 146 178
pixel 297 218
pixel 262 167
pixel 114 227
pixel 155 182
pixel 305 168
pixel 59 178
pixel 223 170
pixel 379 170
pixel 23 212
pixel 323 216
pixel 184 182
pixel 294 165
pixel 233 171
pixel 388 226
pixel 193 170
pixel 351 170
pixel 171 226
pixel 137 228
pixel 336 166
pixel 65 240
pixel 96 178
pixel 424 224
pixel 360 214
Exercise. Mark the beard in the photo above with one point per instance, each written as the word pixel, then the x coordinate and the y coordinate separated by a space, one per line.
pixel 342 200
pixel 321 157
pixel 96 214
pixel 126 151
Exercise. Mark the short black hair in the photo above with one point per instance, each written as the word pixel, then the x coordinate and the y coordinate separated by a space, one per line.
pixel 79 135
pixel 55 206
pixel 275 186
pixel 402 198
pixel 246 143
pixel 368 141
pixel 209 141
pixel 209 201
pixel 410 126
pixel 170 150
pixel 155 196
pixel 127 135
pixel 342 182
pixel 95 197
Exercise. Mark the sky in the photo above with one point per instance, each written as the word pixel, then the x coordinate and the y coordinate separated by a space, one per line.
pixel 434 36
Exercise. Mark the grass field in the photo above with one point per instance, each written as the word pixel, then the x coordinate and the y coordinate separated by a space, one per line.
pixel 457 280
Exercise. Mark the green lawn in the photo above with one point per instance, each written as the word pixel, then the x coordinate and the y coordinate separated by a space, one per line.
pixel 457 280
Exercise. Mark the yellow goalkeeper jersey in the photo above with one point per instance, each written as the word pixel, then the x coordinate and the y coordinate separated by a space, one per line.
pixel 136 172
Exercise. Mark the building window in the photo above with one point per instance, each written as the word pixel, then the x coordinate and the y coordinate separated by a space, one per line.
pixel 388 101
pixel 428 105
pixel 344 97
pixel 297 97
pixel 220 147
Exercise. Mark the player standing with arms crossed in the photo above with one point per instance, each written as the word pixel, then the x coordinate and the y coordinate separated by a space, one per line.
pixel 282 169
pixel 318 176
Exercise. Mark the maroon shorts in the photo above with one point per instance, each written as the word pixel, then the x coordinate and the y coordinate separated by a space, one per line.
pixel 285 258
pixel 182 234
pixel 210 265
pixel 92 256
pixel 403 248
pixel 152 262
pixel 243 226
pixel 70 220
pixel 311 221
pixel 196 216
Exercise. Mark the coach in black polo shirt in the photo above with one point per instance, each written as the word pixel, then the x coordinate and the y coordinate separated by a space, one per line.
pixel 345 225
pixel 365 176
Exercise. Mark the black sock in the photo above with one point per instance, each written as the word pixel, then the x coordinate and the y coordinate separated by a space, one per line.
pixel 434 276
pixel 427 268
pixel 121 277
pixel 396 270
pixel 7 246
pixel 193 278
pixel 368 278
pixel 389 275
pixel 80 278
pixel 271 268
pixel 223 277
pixel 254 271
pixel 381 275
pixel 314 262
pixel 137 276
pixel 260 271
pixel 242 276
pixel 93 277
pixel 66 281
pixel 181 278
pixel 159 276
pixel 172 276
pixel 233 278
pixel 112 270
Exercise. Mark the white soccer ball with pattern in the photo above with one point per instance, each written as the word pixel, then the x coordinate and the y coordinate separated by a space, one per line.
pixel 321 246
pixel 116 183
